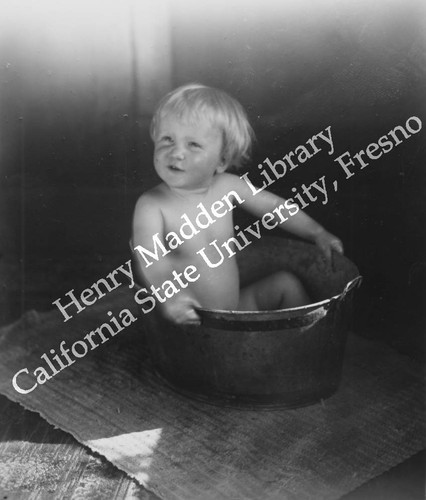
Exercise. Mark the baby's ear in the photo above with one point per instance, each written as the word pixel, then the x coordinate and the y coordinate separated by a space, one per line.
pixel 222 167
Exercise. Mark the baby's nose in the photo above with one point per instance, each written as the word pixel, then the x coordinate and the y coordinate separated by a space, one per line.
pixel 178 152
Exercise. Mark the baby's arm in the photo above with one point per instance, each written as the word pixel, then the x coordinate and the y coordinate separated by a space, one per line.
pixel 300 224
pixel 148 221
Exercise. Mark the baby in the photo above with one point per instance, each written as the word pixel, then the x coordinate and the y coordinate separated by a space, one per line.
pixel 199 133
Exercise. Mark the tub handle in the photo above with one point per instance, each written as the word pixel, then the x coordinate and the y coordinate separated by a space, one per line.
pixel 355 283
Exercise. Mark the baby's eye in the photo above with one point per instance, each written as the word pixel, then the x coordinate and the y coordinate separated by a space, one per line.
pixel 166 139
pixel 194 144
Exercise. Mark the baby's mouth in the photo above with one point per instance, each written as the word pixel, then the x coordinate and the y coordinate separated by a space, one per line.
pixel 175 168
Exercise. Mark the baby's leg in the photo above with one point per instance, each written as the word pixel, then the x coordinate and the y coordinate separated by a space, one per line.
pixel 280 290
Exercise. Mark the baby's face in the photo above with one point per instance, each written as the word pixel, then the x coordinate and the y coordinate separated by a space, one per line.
pixel 187 155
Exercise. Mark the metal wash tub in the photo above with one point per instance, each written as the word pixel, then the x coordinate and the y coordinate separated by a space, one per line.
pixel 281 358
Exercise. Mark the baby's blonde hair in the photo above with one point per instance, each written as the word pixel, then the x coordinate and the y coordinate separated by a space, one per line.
pixel 195 102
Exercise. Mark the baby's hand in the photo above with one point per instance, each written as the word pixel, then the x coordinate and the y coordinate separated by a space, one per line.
pixel 181 310
pixel 327 242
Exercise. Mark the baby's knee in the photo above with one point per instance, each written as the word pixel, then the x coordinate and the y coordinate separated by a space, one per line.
pixel 288 280
pixel 292 290
pixel 278 291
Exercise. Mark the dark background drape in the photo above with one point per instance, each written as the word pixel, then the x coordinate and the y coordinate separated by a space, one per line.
pixel 79 82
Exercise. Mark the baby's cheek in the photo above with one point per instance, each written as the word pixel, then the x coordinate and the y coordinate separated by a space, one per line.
pixel 159 151
pixel 200 162
pixel 157 158
pixel 157 164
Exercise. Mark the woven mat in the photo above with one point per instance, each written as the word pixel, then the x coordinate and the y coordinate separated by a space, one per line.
pixel 111 401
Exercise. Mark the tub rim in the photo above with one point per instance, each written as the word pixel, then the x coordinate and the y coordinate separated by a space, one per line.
pixel 273 314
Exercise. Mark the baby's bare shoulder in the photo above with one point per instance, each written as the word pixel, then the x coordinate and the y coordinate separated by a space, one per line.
pixel 151 199
pixel 231 186
pixel 226 182
pixel 147 209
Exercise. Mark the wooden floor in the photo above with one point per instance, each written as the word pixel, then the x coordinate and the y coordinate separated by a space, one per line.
pixel 40 462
